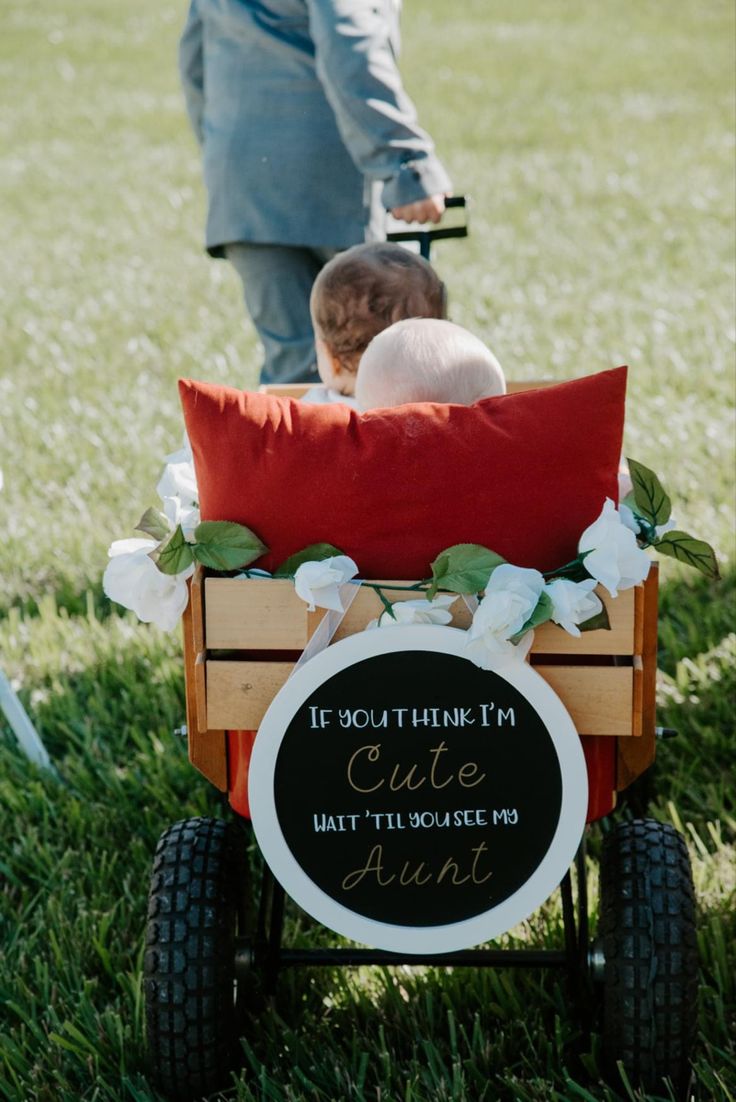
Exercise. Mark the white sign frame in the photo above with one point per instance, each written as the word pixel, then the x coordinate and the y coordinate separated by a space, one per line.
pixel 416 939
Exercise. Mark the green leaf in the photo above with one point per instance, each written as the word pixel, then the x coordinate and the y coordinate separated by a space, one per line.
pixel 314 553
pixel 599 622
pixel 574 571
pixel 388 608
pixel 175 555
pixel 630 500
pixel 463 568
pixel 541 614
pixel 154 523
pixel 685 548
pixel 224 545
pixel 650 499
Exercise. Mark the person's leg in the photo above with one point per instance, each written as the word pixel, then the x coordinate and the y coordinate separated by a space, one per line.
pixel 277 281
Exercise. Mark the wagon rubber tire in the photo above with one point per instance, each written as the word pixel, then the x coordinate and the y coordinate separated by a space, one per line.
pixel 647 933
pixel 196 908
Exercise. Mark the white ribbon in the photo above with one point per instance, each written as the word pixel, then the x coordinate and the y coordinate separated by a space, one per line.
pixel 328 625
pixel 25 732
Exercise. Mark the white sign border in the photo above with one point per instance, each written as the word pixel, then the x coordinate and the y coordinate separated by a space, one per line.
pixel 416 939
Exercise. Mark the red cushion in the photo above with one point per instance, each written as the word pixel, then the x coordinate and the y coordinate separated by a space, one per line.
pixel 522 474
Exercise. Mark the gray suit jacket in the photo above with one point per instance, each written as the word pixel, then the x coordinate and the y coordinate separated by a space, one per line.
pixel 306 131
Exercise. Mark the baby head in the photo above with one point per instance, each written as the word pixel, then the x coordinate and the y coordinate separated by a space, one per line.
pixel 362 291
pixel 427 360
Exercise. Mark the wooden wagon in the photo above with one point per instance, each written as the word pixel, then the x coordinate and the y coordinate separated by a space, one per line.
pixel 210 934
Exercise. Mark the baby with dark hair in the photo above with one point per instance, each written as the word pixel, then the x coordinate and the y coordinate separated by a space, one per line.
pixel 357 295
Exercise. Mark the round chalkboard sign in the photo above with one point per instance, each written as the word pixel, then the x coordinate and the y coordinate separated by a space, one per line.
pixel 412 801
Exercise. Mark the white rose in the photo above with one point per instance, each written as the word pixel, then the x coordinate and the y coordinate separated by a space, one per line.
pixel 625 485
pixel 573 602
pixel 178 478
pixel 417 612
pixel 628 519
pixel 133 580
pixel 177 512
pixel 511 596
pixel 318 583
pixel 615 558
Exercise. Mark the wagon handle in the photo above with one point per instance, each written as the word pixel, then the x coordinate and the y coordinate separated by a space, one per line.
pixel 426 237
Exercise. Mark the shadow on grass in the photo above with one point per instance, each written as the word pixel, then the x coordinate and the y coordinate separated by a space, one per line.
pixel 466 1035
pixel 77 862
pixel 695 614
pixel 412 1033
pixel 67 596
pixel 697 697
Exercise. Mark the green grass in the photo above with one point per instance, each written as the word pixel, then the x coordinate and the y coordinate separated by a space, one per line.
pixel 597 143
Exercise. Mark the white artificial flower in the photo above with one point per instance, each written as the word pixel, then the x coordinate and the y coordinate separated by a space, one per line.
pixel 511 596
pixel 573 602
pixel 183 454
pixel 133 580
pixel 318 583
pixel 178 478
pixel 417 612
pixel 615 559
pixel 628 519
pixel 177 489
pixel 177 512
pixel 625 485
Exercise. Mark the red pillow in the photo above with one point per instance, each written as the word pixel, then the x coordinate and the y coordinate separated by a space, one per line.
pixel 522 474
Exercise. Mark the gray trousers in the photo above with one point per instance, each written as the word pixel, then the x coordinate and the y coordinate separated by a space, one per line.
pixel 277 281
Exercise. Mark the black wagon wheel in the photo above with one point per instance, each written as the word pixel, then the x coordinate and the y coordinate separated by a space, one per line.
pixel 197 907
pixel 647 954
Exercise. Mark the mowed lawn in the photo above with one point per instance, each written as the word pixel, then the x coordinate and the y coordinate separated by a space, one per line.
pixel 597 143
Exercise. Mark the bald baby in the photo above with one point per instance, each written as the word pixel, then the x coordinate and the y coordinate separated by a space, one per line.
pixel 426 360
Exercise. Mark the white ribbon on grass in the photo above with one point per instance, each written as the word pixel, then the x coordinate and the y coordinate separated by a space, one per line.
pixel 26 734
